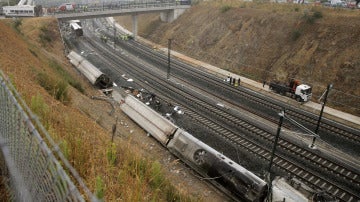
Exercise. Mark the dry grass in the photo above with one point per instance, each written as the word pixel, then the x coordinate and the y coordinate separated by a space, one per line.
pixel 270 41
pixel 115 171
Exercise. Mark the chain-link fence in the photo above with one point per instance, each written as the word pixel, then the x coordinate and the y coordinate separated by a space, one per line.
pixel 29 168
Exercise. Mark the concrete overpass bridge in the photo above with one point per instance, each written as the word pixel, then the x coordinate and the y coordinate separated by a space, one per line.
pixel 169 10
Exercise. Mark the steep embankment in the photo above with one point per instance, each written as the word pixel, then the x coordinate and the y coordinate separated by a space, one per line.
pixel 270 42
pixel 131 168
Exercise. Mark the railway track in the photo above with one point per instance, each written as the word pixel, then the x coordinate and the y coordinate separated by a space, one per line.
pixel 308 119
pixel 250 145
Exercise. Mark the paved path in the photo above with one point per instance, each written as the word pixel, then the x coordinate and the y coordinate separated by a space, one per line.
pixel 223 73
pixel 312 106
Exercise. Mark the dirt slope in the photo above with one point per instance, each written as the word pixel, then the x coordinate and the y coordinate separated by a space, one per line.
pixel 270 42
pixel 82 126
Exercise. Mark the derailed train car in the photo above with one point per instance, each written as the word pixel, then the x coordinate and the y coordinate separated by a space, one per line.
pixel 159 127
pixel 77 29
pixel 232 177
pixel 229 176
pixel 93 74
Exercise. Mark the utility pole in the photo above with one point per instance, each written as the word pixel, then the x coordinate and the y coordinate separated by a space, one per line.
pixel 169 50
pixel 320 116
pixel 282 115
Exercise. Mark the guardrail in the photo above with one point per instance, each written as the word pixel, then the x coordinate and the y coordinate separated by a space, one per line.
pixel 32 171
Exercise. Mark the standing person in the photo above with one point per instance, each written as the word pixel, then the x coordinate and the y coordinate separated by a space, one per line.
pixel 239 80
pixel 264 82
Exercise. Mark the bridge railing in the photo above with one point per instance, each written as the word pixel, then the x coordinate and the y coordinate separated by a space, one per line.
pixel 79 8
pixel 32 171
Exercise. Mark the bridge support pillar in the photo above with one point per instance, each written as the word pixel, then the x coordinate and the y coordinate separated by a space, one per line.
pixel 169 16
pixel 134 26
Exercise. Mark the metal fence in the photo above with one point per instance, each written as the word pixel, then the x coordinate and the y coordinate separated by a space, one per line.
pixel 30 169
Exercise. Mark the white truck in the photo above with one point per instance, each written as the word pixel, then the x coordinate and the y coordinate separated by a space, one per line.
pixel 296 90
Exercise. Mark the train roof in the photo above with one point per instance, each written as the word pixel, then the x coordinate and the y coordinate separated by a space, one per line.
pixel 75 26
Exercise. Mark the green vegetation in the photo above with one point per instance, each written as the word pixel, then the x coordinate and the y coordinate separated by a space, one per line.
pixel 40 108
pixel 99 188
pixel 157 179
pixel 55 87
pixel 33 52
pixel 111 154
pixel 317 14
pixel 295 35
pixel 65 149
pixel 17 24
pixel 45 35
pixel 64 75
pixel 146 172
pixel 225 8
pixel 312 17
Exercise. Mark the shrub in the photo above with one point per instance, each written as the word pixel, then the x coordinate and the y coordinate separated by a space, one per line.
pixel 45 35
pixel 99 188
pixel 225 8
pixel 157 178
pixel 310 18
pixel 17 24
pixel 111 154
pixel 39 107
pixel 55 87
pixel 295 35
pixel 317 14
pixel 33 52
pixel 66 76
pixel 60 91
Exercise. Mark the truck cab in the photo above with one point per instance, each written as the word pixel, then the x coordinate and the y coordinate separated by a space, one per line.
pixel 303 93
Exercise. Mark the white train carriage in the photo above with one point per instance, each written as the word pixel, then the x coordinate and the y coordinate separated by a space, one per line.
pixel 93 74
pixel 226 174
pixel 22 11
pixel 76 28
pixel 222 170
pixel 155 124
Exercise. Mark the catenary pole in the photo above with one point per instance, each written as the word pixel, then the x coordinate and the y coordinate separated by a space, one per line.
pixel 320 116
pixel 282 114
pixel 169 50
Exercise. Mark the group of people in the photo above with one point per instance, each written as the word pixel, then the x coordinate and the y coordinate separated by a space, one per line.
pixel 236 82
pixel 233 81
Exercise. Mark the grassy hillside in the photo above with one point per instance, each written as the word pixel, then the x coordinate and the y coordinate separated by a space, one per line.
pixel 129 169
pixel 264 41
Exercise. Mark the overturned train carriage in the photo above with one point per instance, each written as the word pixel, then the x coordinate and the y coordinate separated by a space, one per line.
pixel 229 176
pixel 155 124
pixel 94 75
pixel 232 177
